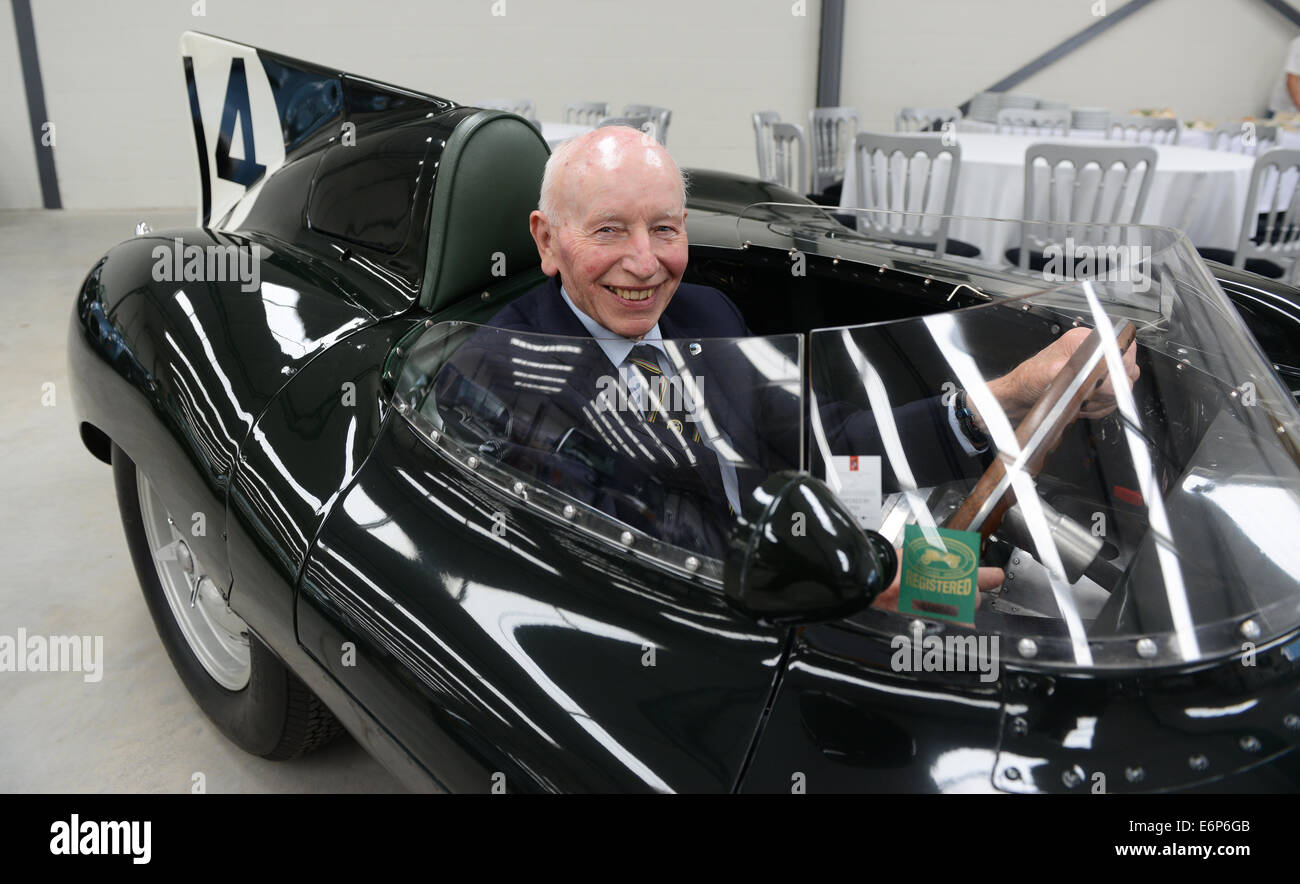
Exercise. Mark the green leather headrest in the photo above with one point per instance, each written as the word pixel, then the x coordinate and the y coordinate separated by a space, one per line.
pixel 488 181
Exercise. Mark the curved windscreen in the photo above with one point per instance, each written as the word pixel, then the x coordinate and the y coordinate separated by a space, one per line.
pixel 1101 418
pixel 652 445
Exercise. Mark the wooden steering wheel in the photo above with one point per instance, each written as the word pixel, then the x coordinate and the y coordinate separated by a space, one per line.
pixel 992 495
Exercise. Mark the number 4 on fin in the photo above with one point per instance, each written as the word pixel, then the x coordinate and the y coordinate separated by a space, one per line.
pixel 247 170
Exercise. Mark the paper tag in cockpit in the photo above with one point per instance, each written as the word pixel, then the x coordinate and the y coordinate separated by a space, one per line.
pixel 859 489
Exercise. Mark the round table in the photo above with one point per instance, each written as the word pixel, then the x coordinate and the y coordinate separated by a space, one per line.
pixel 1202 192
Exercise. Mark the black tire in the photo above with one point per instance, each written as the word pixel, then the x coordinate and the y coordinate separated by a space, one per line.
pixel 275 715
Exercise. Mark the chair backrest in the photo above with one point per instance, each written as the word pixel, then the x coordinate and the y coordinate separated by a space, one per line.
pixel 918 181
pixel 1017 100
pixel 1034 121
pixel 1148 130
pixel 660 116
pixel 1095 118
pixel 645 124
pixel 521 106
pixel 1082 187
pixel 831 133
pixel 924 119
pixel 785 170
pixel 763 121
pixel 1274 234
pixel 587 113
pixel 489 176
pixel 1245 138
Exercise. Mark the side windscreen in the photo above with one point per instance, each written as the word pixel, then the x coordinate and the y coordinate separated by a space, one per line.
pixel 652 445
pixel 1114 441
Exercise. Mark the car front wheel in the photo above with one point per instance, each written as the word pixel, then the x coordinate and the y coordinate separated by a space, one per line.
pixel 237 681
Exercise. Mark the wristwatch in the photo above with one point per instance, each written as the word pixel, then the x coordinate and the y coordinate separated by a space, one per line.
pixel 966 420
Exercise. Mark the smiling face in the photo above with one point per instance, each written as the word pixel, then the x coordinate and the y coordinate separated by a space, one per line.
pixel 616 230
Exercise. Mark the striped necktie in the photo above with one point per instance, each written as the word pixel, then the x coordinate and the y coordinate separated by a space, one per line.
pixel 686 463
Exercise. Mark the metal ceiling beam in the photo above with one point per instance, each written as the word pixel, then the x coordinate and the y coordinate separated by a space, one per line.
pixel 1289 12
pixel 1100 26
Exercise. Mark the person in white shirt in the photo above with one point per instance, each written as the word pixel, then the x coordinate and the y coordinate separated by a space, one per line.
pixel 1286 91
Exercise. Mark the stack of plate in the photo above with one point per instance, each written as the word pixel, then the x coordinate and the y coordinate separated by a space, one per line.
pixel 1054 105
pixel 1090 118
pixel 984 107
pixel 1018 101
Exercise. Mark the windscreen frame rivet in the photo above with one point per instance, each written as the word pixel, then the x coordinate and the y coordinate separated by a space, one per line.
pixel 472 462
pixel 569 511
pixel 1146 648
pixel 626 538
pixel 1028 648
pixel 1250 629
pixel 692 564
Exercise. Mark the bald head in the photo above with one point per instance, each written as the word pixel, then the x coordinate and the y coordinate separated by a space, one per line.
pixel 610 149
pixel 612 225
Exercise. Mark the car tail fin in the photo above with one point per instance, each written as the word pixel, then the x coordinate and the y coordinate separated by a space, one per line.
pixel 236 123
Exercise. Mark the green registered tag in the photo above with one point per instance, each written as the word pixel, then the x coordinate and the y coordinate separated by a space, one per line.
pixel 939 581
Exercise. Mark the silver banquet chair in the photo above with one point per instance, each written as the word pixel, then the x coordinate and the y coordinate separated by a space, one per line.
pixel 1081 188
pixel 586 113
pixel 1232 137
pixel 1269 241
pixel 787 138
pixel 1034 121
pixel 644 123
pixel 763 121
pixel 1145 130
pixel 660 116
pixel 830 131
pixel 925 119
pixel 892 204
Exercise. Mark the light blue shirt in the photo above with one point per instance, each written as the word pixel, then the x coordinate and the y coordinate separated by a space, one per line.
pixel 617 348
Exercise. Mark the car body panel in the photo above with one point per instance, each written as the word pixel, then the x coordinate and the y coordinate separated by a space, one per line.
pixel 532 649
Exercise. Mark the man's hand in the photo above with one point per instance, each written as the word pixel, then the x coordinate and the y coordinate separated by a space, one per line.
pixel 1020 389
pixel 988 578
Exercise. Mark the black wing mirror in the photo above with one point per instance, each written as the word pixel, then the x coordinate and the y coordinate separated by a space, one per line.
pixel 797 556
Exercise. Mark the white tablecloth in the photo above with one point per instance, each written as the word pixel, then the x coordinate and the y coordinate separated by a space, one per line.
pixel 1202 192
pixel 555 133
pixel 1201 138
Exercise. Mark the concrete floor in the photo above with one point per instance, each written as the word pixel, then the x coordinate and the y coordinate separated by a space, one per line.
pixel 67 570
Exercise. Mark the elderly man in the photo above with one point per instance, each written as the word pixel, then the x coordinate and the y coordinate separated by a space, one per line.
pixel 610 230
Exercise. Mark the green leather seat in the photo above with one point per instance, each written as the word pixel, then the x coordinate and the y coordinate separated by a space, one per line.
pixel 481 254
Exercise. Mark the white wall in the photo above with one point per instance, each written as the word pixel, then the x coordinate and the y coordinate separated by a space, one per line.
pixel 115 88
pixel 1204 58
